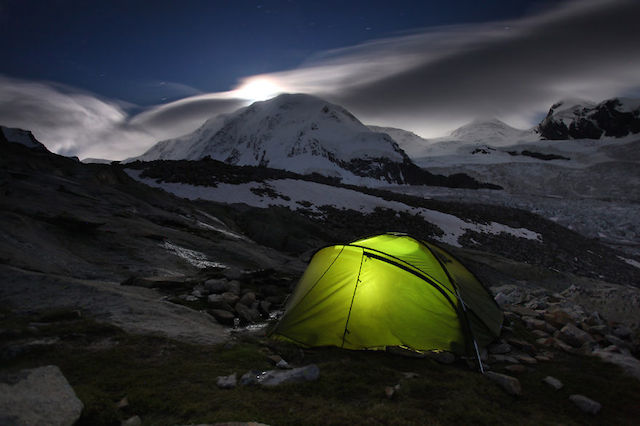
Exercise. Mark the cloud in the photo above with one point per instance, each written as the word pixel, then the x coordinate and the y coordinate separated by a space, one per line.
pixel 442 77
pixel 429 81
pixel 71 122
pixel 66 120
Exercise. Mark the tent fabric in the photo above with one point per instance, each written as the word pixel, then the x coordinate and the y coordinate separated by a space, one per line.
pixel 389 290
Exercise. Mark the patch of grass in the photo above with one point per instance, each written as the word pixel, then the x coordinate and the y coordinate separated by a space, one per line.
pixel 168 382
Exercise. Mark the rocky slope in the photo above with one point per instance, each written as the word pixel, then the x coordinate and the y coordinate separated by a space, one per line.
pixel 616 117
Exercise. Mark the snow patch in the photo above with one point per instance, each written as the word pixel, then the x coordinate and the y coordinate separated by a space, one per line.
pixel 197 259
pixel 631 262
pixel 296 194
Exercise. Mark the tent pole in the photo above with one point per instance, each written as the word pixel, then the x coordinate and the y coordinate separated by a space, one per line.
pixel 473 338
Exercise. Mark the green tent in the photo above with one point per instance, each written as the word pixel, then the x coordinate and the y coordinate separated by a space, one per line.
pixel 390 290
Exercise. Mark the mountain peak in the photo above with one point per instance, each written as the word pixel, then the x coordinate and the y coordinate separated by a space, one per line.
pixel 23 137
pixel 296 132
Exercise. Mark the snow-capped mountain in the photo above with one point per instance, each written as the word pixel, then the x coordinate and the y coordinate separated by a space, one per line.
pixel 477 136
pixel 491 132
pixel 295 132
pixel 575 119
pixel 23 137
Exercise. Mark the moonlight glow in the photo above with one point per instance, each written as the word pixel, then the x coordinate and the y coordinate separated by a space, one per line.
pixel 258 89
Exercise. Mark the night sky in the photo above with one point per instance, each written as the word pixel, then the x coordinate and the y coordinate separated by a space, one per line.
pixel 109 78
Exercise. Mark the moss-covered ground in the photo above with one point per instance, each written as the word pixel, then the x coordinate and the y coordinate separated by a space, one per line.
pixel 168 382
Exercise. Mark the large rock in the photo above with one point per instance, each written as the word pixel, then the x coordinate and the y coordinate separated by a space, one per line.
pixel 553 382
pixel 247 315
pixel 573 336
pixel 511 385
pixel 302 374
pixel 270 378
pixel 39 396
pixel 628 363
pixel 227 382
pixel 558 318
pixel 587 405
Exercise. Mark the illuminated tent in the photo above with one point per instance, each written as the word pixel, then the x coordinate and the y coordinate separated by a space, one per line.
pixel 390 290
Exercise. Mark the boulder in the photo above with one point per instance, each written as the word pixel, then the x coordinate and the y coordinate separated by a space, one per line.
pixel 217 286
pixel 246 314
pixel 248 298
pixel 573 336
pixel 264 307
pixel 218 301
pixel 270 378
pixel 230 298
pixel 629 364
pixel 586 404
pixel 553 382
pixel 558 318
pixel 132 421
pixel 511 385
pixel 38 396
pixel 227 382
pixel 222 316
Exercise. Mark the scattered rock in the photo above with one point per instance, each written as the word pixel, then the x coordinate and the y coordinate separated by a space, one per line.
pixel 622 332
pixel 216 286
pixel 516 368
pixel 443 357
pixel 558 318
pixel 390 391
pixel 586 404
pixel 614 340
pixel 246 314
pixel 308 373
pixel 628 363
pixel 282 364
pixel 264 307
pixel 524 312
pixel 526 359
pixel 45 388
pixel 123 403
pixel 410 375
pixel 188 298
pixel 222 316
pixel 553 382
pixel 250 378
pixel 503 358
pixel 230 298
pixel 522 345
pixel 534 324
pixel 132 421
pixel 248 298
pixel 540 333
pixel 573 336
pixel 227 382
pixel 511 385
pixel 499 348
pixel 218 301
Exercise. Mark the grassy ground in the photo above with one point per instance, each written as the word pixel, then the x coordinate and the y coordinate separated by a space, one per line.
pixel 167 382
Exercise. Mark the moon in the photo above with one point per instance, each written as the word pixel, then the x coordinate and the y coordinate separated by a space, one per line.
pixel 258 89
